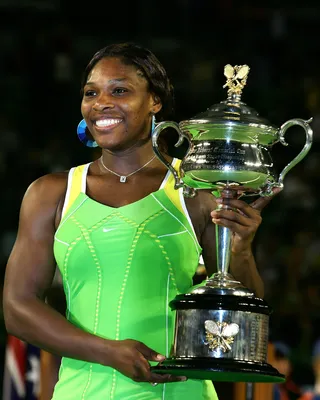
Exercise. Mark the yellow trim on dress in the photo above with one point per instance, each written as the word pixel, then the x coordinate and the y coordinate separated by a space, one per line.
pixel 171 192
pixel 75 185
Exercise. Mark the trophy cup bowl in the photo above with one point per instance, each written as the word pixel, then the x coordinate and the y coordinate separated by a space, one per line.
pixel 221 327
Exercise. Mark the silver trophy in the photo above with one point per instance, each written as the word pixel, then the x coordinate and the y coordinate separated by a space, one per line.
pixel 221 327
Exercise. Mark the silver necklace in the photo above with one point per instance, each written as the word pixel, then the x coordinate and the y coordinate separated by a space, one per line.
pixel 123 178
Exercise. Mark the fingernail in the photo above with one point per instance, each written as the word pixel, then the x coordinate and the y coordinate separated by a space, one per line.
pixel 219 200
pixel 214 213
pixel 160 357
pixel 183 378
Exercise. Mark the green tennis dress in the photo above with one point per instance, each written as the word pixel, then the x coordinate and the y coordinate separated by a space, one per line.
pixel 121 267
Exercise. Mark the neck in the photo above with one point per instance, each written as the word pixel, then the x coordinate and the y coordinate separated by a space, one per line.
pixel 128 159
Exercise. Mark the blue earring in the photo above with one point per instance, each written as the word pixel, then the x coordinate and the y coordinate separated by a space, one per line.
pixel 82 135
pixel 153 123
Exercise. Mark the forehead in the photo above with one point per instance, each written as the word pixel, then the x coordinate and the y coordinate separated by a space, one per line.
pixel 114 69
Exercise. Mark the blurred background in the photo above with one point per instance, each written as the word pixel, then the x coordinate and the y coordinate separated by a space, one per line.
pixel 45 46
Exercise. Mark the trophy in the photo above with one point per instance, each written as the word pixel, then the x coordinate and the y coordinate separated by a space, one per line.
pixel 221 327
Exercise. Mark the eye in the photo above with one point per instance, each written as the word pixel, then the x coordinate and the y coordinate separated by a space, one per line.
pixel 89 93
pixel 119 91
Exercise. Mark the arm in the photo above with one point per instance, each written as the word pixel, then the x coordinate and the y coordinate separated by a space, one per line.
pixel 29 274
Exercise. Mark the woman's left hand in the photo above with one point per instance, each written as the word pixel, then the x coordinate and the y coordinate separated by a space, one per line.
pixel 241 218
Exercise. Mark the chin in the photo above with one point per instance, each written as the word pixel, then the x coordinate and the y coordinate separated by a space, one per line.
pixel 111 145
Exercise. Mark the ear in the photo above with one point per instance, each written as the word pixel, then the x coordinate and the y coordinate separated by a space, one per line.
pixel 156 104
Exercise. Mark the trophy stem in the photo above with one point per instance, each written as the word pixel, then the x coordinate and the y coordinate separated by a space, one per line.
pixel 223 246
pixel 222 282
pixel 223 239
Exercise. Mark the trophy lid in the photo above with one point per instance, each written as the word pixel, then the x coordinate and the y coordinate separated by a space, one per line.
pixel 231 111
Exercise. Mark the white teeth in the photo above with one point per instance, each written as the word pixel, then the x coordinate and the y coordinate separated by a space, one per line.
pixel 107 122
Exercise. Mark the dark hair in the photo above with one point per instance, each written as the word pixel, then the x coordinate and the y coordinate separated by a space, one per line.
pixel 151 68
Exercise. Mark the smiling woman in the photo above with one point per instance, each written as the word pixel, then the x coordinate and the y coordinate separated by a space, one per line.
pixel 118 111
pixel 124 247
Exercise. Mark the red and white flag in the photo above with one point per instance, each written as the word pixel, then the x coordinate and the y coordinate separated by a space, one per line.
pixel 21 371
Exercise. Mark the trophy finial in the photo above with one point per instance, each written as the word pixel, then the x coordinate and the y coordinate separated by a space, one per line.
pixel 236 80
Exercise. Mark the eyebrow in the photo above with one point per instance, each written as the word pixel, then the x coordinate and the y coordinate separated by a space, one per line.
pixel 116 80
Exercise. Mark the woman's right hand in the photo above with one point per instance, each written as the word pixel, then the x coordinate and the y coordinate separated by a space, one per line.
pixel 130 357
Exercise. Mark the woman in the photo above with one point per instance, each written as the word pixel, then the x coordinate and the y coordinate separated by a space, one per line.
pixel 124 240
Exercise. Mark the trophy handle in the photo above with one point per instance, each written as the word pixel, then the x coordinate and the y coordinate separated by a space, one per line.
pixel 155 136
pixel 309 135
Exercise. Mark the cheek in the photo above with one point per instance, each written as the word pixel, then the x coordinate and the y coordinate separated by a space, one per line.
pixel 141 107
pixel 141 112
pixel 133 115
pixel 139 121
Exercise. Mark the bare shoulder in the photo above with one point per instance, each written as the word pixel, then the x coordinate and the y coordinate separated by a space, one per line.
pixel 55 182
pixel 46 194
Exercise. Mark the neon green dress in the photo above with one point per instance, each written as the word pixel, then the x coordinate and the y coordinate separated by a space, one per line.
pixel 120 268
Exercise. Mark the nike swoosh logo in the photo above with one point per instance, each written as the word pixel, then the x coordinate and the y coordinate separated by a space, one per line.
pixel 108 230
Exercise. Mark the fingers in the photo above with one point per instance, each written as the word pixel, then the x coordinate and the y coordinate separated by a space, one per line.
pixel 241 218
pixel 148 353
pixel 143 373
pixel 242 226
pixel 166 378
pixel 262 202
pixel 229 216
pixel 140 370
pixel 245 217
pixel 239 205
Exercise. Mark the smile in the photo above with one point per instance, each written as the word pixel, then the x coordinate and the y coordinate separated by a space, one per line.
pixel 107 123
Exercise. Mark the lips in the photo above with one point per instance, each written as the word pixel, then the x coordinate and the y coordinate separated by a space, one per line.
pixel 107 123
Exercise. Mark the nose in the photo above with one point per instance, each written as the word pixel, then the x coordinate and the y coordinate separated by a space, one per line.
pixel 103 103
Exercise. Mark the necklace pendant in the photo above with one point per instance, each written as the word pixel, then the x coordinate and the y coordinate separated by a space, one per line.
pixel 123 179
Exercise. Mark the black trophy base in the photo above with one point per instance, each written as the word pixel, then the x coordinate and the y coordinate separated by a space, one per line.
pixel 220 370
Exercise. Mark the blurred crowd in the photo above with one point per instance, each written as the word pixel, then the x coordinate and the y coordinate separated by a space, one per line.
pixel 41 65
